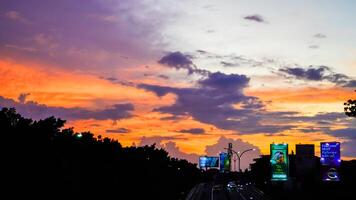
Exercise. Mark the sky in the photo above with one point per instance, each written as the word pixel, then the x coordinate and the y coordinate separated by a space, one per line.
pixel 189 76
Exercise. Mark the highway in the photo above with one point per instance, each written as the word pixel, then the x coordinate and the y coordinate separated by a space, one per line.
pixel 211 191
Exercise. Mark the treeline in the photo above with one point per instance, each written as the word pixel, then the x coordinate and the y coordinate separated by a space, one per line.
pixel 42 159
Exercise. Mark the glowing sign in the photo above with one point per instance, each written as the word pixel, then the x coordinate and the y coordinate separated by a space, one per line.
pixel 223 157
pixel 330 160
pixel 224 162
pixel 279 161
pixel 208 162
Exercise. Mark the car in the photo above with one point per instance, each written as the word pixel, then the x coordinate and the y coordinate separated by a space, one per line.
pixel 231 185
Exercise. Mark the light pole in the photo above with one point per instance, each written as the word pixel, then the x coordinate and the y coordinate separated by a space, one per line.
pixel 239 155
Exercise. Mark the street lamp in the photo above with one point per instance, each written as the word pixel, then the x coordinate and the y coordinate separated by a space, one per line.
pixel 239 155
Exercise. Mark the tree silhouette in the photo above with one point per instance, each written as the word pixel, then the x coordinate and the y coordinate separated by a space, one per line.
pixel 350 107
pixel 41 158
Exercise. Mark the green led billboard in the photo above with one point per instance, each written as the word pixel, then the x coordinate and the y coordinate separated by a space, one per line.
pixel 279 162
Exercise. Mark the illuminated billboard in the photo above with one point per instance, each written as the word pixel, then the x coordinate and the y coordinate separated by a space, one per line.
pixel 224 162
pixel 330 160
pixel 279 161
pixel 208 162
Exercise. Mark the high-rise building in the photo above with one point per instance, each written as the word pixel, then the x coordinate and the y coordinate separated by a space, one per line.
pixel 305 162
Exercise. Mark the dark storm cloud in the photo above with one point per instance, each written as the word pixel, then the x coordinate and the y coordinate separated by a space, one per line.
pixel 178 60
pixel 315 74
pixel 193 131
pixel 318 73
pixel 230 82
pixel 39 111
pixel 119 130
pixel 256 18
pixel 213 102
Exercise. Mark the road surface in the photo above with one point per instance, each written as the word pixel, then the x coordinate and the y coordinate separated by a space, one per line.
pixel 211 191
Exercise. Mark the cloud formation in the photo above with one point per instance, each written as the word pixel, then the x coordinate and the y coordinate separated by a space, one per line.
pixel 61 33
pixel 119 130
pixel 239 146
pixel 349 146
pixel 315 74
pixel 37 111
pixel 256 18
pixel 193 131
pixel 318 73
pixel 210 150
pixel 214 100
pixel 178 60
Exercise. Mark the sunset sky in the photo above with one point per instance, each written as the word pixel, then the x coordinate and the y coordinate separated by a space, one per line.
pixel 189 75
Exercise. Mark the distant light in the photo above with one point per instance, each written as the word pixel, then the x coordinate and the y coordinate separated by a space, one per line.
pixel 253 149
pixel 339 160
pixel 79 135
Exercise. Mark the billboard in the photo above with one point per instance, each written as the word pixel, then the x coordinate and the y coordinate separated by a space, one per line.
pixel 330 160
pixel 208 162
pixel 279 162
pixel 224 162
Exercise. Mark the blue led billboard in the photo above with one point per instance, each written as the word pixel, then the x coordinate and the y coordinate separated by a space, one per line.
pixel 208 162
pixel 222 157
pixel 330 160
pixel 224 162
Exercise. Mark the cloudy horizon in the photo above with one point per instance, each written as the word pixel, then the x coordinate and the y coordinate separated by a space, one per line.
pixel 190 76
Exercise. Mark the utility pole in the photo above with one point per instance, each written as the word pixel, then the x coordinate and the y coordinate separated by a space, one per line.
pixel 229 154
pixel 239 155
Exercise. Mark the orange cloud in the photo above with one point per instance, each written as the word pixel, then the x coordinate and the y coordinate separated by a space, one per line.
pixel 305 100
pixel 70 89
pixel 304 95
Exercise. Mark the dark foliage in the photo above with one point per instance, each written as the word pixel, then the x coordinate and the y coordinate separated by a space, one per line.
pixel 350 107
pixel 42 159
